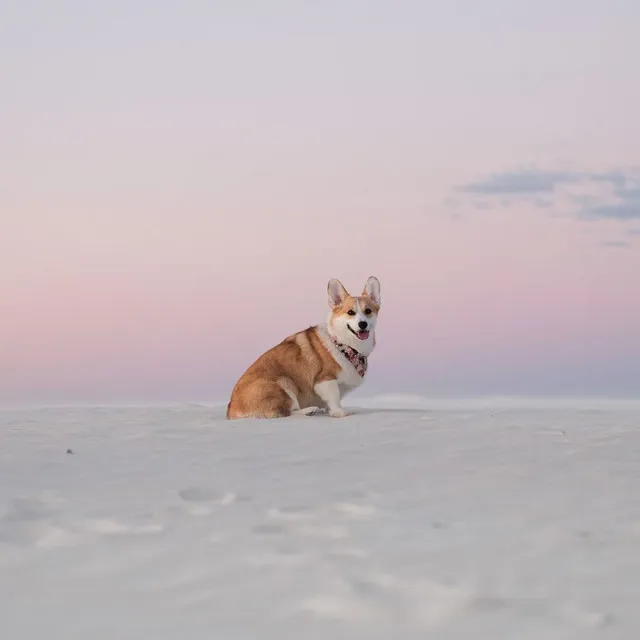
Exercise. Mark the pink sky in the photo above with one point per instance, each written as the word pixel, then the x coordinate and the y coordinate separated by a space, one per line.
pixel 177 189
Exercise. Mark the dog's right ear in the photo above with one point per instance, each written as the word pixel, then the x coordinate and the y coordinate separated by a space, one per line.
pixel 337 293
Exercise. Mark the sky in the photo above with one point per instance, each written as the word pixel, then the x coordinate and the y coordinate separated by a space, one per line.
pixel 179 181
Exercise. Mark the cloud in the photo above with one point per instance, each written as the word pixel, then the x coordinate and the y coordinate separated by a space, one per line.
pixel 627 208
pixel 616 244
pixel 518 182
pixel 609 195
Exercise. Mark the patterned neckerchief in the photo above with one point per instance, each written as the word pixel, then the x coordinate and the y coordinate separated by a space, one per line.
pixel 358 361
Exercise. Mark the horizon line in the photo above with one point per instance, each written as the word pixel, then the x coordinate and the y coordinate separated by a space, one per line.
pixel 387 400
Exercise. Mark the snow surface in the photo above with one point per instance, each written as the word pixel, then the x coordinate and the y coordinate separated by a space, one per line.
pixel 410 519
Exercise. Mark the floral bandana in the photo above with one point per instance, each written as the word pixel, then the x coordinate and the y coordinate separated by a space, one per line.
pixel 358 361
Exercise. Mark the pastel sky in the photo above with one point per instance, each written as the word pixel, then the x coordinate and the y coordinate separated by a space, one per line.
pixel 179 180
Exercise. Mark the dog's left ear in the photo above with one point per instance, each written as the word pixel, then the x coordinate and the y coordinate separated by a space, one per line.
pixel 372 290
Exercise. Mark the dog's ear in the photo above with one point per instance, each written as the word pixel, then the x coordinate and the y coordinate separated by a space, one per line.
pixel 337 293
pixel 372 290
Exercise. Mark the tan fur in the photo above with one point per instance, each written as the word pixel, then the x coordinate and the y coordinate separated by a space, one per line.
pixel 297 364
pixel 350 302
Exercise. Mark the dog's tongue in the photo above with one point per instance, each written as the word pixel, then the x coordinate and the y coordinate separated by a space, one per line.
pixel 363 335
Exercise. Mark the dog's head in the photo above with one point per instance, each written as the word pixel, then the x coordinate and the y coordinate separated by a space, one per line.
pixel 353 318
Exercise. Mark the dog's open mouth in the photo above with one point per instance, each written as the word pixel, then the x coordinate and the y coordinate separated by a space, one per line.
pixel 361 335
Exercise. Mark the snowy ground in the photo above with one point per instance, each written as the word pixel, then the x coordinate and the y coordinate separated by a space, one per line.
pixel 494 520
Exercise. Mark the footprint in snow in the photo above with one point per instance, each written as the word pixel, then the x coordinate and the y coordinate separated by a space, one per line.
pixel 202 501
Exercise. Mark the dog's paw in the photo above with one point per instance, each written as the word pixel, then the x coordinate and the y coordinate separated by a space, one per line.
pixel 308 411
pixel 312 411
pixel 338 413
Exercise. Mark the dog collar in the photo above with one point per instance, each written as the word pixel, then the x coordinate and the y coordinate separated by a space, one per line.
pixel 358 361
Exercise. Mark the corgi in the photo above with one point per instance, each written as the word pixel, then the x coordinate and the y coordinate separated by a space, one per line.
pixel 310 371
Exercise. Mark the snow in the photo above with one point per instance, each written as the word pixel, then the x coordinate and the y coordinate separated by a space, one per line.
pixel 410 519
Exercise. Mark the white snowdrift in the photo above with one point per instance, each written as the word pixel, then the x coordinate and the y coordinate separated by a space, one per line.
pixel 488 520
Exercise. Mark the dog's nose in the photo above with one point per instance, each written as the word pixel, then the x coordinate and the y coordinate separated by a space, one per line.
pixel 362 324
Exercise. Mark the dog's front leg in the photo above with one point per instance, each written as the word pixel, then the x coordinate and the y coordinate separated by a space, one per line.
pixel 329 392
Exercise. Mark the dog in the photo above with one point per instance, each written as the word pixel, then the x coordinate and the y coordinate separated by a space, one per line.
pixel 310 371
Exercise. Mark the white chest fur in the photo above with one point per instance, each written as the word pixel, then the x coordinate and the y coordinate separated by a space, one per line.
pixel 348 378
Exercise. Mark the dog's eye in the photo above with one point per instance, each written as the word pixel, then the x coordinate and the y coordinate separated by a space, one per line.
pixel 351 312
pixel 367 312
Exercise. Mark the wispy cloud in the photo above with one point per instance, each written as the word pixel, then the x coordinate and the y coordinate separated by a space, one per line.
pixel 626 208
pixel 518 182
pixel 615 244
pixel 610 195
